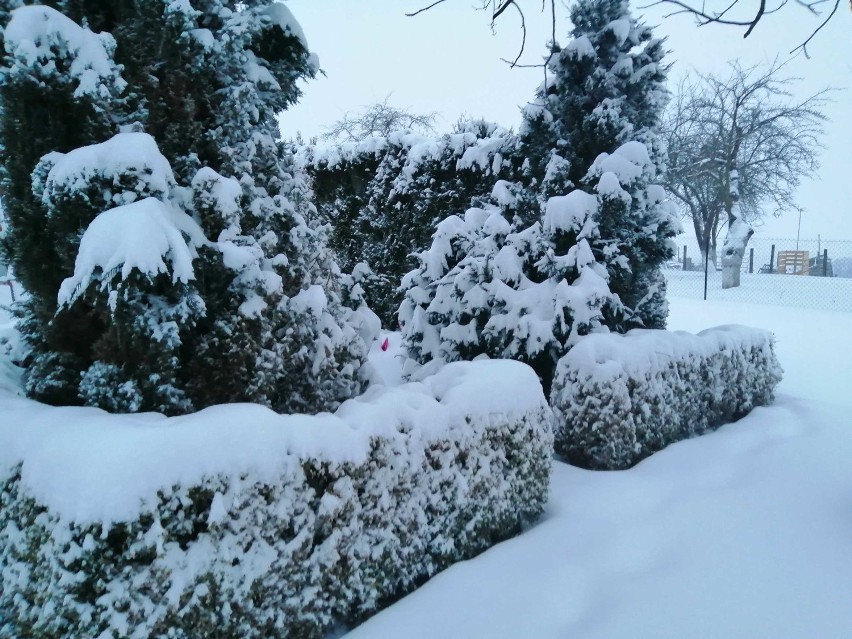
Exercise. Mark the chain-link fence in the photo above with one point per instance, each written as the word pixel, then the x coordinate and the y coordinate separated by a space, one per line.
pixel 785 272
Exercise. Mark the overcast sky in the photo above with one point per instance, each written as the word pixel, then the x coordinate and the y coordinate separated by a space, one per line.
pixel 447 60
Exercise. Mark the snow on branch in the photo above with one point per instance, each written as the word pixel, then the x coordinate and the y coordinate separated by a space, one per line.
pixel 134 236
pixel 40 40
pixel 132 153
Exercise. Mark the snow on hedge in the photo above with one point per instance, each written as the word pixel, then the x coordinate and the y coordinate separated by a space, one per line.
pixel 619 398
pixel 468 148
pixel 239 522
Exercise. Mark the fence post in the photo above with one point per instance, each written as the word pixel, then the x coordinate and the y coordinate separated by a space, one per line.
pixel 772 260
pixel 684 257
pixel 751 260
pixel 825 263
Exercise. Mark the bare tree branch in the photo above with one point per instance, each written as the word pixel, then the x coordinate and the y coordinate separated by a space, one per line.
pixel 498 8
pixel 804 45
pixel 419 11
pixel 703 16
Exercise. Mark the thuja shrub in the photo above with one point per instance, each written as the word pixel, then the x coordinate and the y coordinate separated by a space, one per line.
pixel 619 398
pixel 282 527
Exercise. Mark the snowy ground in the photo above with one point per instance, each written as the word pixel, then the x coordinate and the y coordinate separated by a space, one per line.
pixel 746 532
pixel 825 293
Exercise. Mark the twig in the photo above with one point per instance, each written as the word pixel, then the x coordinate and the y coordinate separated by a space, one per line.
pixel 434 4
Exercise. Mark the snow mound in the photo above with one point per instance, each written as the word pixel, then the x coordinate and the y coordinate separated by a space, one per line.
pixel 89 466
pixel 133 153
pixel 628 162
pixel 283 18
pixel 620 28
pixel 134 236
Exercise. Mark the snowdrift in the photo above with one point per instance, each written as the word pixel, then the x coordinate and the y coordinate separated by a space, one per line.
pixel 619 398
pixel 239 522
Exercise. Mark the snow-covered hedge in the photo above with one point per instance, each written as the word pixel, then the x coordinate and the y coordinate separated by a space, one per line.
pixel 237 522
pixel 619 398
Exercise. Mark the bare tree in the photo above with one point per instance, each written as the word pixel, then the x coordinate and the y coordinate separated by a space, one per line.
pixel 738 147
pixel 379 119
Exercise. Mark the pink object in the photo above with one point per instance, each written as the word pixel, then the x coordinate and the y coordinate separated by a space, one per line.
pixel 385 344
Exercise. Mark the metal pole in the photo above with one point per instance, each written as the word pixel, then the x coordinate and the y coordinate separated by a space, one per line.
pixel 772 260
pixel 684 257
pixel 798 230
pixel 751 260
pixel 706 263
pixel 825 263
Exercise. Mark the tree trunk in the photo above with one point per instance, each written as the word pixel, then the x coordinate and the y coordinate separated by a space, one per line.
pixel 733 252
pixel 736 240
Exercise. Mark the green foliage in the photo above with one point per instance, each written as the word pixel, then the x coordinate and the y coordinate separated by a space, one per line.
pixel 204 83
pixel 605 88
pixel 385 196
pixel 289 554
pixel 619 399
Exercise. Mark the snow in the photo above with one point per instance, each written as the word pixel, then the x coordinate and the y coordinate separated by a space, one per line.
pixel 133 153
pixel 282 17
pixel 569 212
pixel 741 533
pixel 310 300
pixel 609 186
pixel 385 367
pixel 40 37
pixel 641 349
pixel 581 47
pixel 824 293
pixel 225 193
pixel 12 348
pixel 133 236
pixel 628 162
pixel 89 466
pixel 620 28
pixel 502 194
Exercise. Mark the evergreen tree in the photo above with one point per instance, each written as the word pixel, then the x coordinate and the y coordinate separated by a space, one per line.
pixel 575 243
pixel 168 242
pixel 493 285
pixel 606 88
pixel 384 196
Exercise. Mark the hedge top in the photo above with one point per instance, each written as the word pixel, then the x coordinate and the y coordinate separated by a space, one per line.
pixel 89 466
pixel 642 350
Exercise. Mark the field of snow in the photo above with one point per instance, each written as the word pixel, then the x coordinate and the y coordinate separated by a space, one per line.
pixel 826 293
pixel 743 533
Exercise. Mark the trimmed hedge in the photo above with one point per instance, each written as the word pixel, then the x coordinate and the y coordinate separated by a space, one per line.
pixel 619 398
pixel 311 521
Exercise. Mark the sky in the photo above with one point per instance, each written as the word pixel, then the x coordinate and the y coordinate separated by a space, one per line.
pixel 448 61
